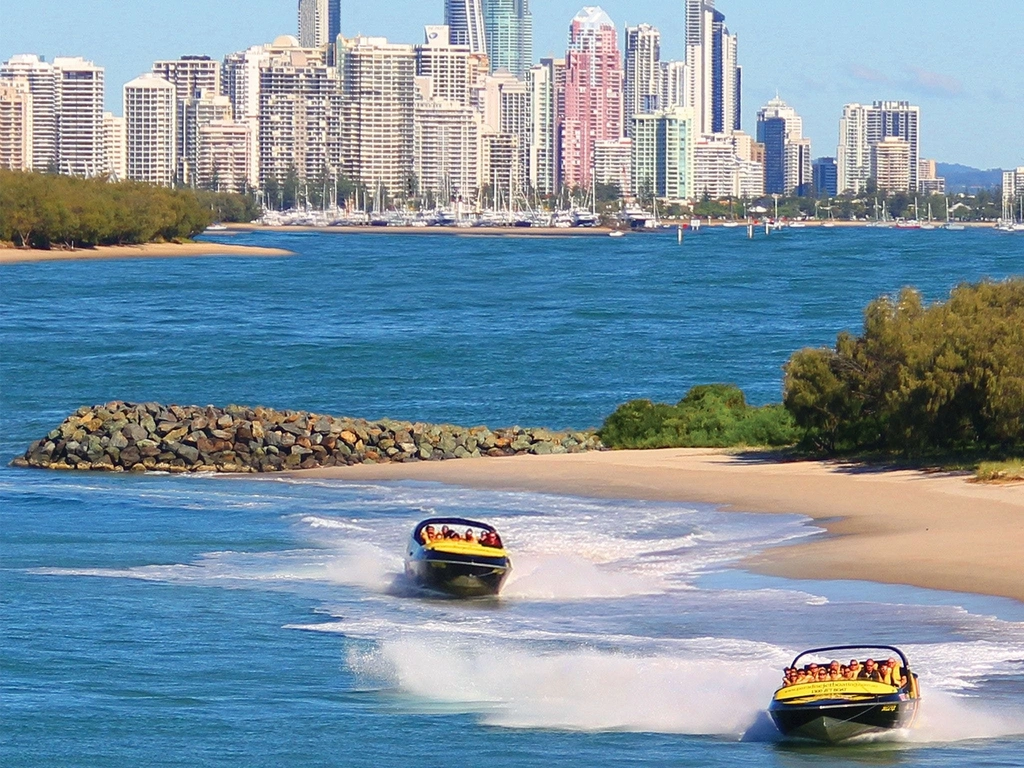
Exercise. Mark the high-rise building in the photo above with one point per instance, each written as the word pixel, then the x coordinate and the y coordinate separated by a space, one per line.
pixel 319 22
pixel 643 73
pixel 455 71
pixel 862 127
pixel 115 147
pixel 787 164
pixel 240 82
pixel 890 164
pixel 202 109
pixel 15 124
pixel 663 154
pixel 826 178
pixel 928 180
pixel 715 75
pixel 378 92
pixel 506 109
pixel 593 93
pixel 544 83
pixel 465 21
pixel 150 113
pixel 799 170
pixel 613 164
pixel 499 168
pixel 191 76
pixel 720 173
pixel 1013 192
pixel 42 85
pixel 508 30
pixel 300 115
pixel 223 152
pixel 80 95
pixel 675 84
pixel 446 146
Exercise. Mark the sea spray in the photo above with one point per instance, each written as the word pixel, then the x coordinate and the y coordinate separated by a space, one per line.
pixel 582 689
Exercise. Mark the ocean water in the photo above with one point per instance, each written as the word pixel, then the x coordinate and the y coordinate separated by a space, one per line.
pixel 174 621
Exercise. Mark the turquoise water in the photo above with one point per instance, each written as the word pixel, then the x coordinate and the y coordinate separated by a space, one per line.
pixel 185 621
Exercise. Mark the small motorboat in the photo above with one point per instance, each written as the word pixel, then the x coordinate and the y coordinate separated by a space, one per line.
pixel 459 557
pixel 835 711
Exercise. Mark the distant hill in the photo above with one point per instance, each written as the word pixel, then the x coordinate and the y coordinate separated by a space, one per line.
pixel 963 178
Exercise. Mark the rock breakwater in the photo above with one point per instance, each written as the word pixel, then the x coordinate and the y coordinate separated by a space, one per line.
pixel 141 437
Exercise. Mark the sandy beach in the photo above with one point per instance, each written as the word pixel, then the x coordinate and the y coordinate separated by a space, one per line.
pixel 149 250
pixel 933 530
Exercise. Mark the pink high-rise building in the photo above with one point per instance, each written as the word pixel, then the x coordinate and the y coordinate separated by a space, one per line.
pixel 593 93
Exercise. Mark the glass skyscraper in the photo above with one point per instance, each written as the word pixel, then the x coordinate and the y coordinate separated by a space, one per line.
pixel 508 26
pixel 465 20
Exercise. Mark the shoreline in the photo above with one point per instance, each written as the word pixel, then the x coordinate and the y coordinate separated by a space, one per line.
pixel 527 232
pixel 147 250
pixel 929 530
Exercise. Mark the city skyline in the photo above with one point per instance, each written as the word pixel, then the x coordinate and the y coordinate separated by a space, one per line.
pixel 816 73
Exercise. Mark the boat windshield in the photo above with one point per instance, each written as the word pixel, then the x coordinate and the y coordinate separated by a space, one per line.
pixel 889 667
pixel 457 529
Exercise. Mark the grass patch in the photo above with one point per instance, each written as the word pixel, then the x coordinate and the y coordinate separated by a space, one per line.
pixel 1010 471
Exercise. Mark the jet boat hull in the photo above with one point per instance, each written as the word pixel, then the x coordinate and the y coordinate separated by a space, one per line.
pixel 458 575
pixel 836 721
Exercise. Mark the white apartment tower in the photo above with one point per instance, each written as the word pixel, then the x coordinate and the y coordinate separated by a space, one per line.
pixel 890 165
pixel 720 173
pixel 506 110
pixel 446 146
pixel 79 116
pixel 15 125
pixel 115 147
pixel 613 164
pixel 223 152
pixel 41 79
pixel 150 113
pixel 377 81
pixel 191 76
pixel 675 83
pixel 860 131
pixel 643 73
pixel 455 71
pixel 240 82
pixel 300 114
pixel 542 141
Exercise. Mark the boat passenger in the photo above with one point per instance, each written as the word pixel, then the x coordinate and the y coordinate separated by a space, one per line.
pixel 870 672
pixel 429 534
pixel 469 535
pixel 892 674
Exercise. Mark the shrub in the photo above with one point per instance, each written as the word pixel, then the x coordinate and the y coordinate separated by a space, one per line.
pixel 709 416
pixel 919 380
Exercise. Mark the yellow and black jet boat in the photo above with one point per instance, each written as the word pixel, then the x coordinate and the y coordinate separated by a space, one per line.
pixel 459 557
pixel 835 711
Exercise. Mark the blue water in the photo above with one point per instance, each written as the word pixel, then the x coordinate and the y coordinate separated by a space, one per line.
pixel 209 621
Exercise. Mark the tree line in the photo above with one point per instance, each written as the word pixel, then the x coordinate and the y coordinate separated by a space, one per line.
pixel 48 210
pixel 920 380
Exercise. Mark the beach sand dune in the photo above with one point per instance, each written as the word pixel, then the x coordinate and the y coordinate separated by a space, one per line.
pixel 933 530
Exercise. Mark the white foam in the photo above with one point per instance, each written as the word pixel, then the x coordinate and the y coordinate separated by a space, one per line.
pixel 566 577
pixel 576 690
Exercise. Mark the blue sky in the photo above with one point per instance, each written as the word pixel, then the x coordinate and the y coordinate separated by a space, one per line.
pixel 962 62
